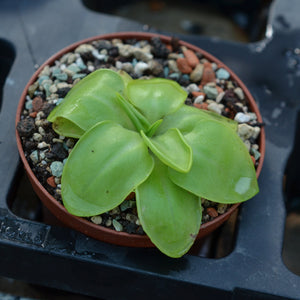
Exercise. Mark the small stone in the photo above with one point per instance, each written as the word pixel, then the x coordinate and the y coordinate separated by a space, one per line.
pixel 193 87
pixel 222 74
pixel 174 76
pixel 26 127
pixel 84 48
pixel 42 145
pixel 41 131
pixel 37 137
pixel 191 57
pixel 221 208
pixel 62 76
pixel 208 74
pixel 201 105
pixel 32 88
pixel 255 153
pixel 210 91
pixel 220 97
pixel 37 104
pixel 214 107
pixel 119 65
pixel 115 211
pixel 72 69
pixel 51 181
pixel 28 104
pixel 53 89
pixel 245 131
pixel 34 156
pixel 78 76
pixel 212 212
pixel 140 68
pixel 125 50
pixel 239 92
pixel 173 66
pixel 118 226
pixel 45 72
pixel 127 67
pixel 242 118
pixel 142 54
pixel 199 99
pixel 108 223
pixel 80 63
pixel 33 114
pixel 131 218
pixel 155 67
pixel 183 66
pixel 247 144
pixel 42 79
pixel 56 168
pixel 71 58
pixel 96 220
pixel 99 56
pixel 197 73
pixel 256 132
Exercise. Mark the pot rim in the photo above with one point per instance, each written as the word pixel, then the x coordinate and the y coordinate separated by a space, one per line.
pixel 98 231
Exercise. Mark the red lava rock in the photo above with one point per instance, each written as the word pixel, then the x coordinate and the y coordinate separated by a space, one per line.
pixel 33 114
pixel 201 105
pixel 26 127
pixel 37 104
pixel 51 181
pixel 212 212
pixel 191 57
pixel 208 74
pixel 196 94
pixel 183 65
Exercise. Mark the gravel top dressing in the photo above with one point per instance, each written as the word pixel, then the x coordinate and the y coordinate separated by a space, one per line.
pixel 209 87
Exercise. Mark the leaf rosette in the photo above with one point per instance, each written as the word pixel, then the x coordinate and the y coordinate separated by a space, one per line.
pixel 138 135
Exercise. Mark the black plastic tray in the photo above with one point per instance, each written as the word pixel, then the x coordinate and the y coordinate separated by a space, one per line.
pixel 64 259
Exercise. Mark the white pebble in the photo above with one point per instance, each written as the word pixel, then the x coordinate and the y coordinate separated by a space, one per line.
pixel 256 132
pixel 193 87
pixel 41 131
pixel 140 68
pixel 37 137
pixel 199 99
pixel 42 145
pixel 242 118
pixel 245 131
pixel 214 107
pixel 239 92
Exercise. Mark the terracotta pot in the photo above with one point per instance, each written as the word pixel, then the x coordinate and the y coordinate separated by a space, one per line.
pixel 100 232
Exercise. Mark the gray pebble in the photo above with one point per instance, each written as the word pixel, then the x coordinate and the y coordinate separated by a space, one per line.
pixel 34 156
pixel 193 87
pixel 214 107
pixel 239 92
pixel 222 74
pixel 118 226
pixel 56 168
pixel 140 68
pixel 210 91
pixel 96 220
pixel 84 48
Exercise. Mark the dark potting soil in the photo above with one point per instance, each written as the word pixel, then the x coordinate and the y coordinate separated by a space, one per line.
pixel 209 87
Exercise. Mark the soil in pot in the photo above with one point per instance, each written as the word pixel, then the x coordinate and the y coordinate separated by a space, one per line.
pixel 210 86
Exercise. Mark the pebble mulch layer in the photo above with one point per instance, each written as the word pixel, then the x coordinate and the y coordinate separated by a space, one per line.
pixel 209 87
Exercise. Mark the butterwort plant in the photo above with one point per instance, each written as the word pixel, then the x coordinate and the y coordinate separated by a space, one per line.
pixel 138 135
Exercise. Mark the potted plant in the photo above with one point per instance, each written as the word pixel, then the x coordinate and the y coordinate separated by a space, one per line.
pixel 138 135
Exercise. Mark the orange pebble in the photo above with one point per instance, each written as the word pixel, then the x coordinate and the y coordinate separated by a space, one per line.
pixel 51 181
pixel 208 74
pixel 201 105
pixel 212 212
pixel 191 57
pixel 183 65
pixel 33 114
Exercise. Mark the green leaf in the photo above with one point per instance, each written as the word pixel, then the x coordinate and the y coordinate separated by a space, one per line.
pixel 187 117
pixel 139 121
pixel 172 149
pixel 153 128
pixel 92 100
pixel 106 164
pixel 156 97
pixel 170 216
pixel 222 169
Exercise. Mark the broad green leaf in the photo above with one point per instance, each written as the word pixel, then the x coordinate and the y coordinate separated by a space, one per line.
pixel 106 164
pixel 187 117
pixel 156 97
pixel 222 169
pixel 170 216
pixel 172 149
pixel 92 100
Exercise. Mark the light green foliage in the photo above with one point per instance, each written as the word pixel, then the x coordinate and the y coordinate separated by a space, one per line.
pixel 138 135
